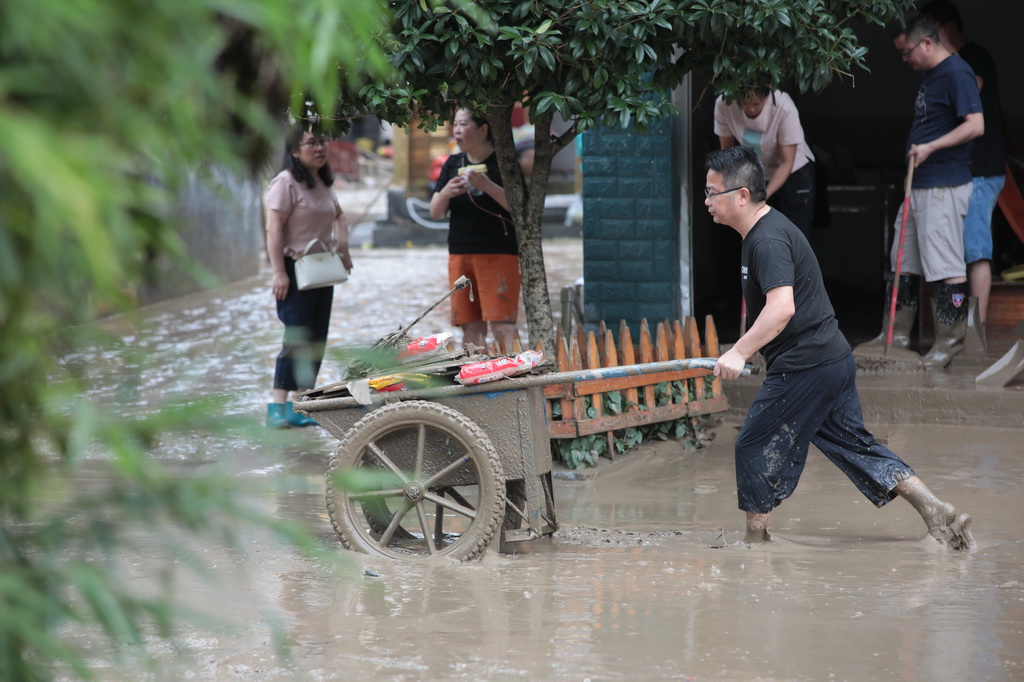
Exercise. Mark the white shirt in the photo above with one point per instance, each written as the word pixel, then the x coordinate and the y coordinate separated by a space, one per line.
pixel 777 125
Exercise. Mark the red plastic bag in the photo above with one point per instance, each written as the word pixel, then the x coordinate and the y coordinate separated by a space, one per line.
pixel 489 370
pixel 499 368
pixel 425 345
pixel 527 360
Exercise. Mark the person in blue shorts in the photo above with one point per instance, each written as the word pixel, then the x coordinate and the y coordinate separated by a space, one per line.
pixel 988 157
pixel 810 393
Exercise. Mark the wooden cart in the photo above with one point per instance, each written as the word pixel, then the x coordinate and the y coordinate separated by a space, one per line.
pixel 448 471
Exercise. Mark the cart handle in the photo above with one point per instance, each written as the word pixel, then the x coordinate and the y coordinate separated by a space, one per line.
pixel 461 283
pixel 512 383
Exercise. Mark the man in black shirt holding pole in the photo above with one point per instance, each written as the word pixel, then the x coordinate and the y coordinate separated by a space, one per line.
pixel 809 394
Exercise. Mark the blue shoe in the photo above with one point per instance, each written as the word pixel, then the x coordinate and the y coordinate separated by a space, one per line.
pixel 276 416
pixel 296 419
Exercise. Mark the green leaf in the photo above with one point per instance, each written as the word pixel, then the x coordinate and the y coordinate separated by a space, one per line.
pixel 548 57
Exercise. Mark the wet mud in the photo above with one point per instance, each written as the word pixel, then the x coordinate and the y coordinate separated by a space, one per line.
pixel 648 577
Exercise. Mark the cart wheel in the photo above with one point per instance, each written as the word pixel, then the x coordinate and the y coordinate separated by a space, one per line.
pixel 416 479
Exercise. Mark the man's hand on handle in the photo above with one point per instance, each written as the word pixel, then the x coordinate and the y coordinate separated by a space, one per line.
pixel 730 365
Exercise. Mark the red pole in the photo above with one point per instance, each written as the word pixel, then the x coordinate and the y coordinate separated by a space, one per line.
pixel 899 252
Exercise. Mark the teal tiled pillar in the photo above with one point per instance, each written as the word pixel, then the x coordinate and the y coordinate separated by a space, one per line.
pixel 630 226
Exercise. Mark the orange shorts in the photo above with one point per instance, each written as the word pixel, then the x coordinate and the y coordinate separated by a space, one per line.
pixel 496 284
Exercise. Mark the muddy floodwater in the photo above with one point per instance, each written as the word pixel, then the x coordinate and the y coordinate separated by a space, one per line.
pixel 647 578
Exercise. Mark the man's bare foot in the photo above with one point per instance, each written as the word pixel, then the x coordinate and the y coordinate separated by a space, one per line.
pixel 955 533
pixel 757 536
pixel 757 528
pixel 944 524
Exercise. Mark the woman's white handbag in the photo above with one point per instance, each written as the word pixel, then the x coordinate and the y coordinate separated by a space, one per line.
pixel 315 270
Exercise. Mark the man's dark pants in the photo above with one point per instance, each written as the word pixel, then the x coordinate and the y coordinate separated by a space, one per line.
pixel 794 409
pixel 797 198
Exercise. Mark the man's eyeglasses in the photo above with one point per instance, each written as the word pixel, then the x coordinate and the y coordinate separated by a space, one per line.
pixel 317 142
pixel 906 53
pixel 708 194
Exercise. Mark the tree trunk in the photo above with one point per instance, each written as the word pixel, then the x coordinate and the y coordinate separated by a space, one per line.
pixel 526 204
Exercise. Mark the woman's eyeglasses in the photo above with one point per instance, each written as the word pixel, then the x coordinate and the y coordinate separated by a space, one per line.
pixel 316 142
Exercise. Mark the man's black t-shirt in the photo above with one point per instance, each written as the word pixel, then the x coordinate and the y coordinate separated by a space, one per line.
pixel 775 254
pixel 480 224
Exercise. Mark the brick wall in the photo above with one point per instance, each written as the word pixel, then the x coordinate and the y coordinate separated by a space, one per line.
pixel 631 223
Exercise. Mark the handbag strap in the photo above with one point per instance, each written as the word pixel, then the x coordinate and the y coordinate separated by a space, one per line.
pixel 305 252
pixel 504 225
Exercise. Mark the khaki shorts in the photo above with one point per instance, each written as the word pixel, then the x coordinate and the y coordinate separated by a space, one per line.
pixel 934 242
pixel 496 283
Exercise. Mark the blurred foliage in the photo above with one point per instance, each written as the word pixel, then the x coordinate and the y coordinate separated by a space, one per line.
pixel 104 108
pixel 597 63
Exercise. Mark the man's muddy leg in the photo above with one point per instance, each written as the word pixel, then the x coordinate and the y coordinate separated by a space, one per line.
pixel 944 524
pixel 757 528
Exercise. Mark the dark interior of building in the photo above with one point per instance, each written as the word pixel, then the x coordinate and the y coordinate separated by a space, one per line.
pixel 857 128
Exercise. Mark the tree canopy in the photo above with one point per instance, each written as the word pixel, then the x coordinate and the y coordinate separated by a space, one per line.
pixel 597 63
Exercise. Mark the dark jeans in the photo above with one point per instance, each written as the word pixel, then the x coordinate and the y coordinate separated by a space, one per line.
pixel 306 316
pixel 792 410
pixel 795 199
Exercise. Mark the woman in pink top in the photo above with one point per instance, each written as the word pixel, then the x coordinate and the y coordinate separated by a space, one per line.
pixel 769 123
pixel 301 206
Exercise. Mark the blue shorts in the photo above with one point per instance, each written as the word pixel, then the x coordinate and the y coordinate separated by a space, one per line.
pixel 794 409
pixel 978 223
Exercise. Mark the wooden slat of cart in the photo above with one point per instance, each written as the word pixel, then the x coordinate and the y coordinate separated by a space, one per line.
pixel 582 388
pixel 688 340
pixel 565 427
pixel 711 348
pixel 647 355
pixel 654 416
pixel 628 358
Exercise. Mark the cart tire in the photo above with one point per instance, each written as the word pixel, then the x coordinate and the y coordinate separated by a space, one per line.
pixel 413 480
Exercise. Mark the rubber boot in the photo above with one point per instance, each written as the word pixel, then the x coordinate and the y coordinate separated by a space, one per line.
pixel 903 323
pixel 296 419
pixel 949 306
pixel 275 416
